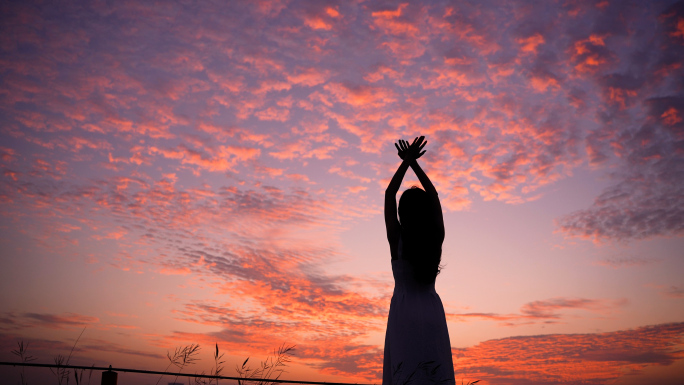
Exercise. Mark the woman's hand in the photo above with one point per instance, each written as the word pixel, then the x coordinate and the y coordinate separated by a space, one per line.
pixel 412 151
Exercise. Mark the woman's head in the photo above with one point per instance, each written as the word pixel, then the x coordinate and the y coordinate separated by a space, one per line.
pixel 414 208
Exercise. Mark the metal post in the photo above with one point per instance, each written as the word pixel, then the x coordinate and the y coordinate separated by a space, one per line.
pixel 109 377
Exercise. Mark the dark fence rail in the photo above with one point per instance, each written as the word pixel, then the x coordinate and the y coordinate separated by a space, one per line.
pixel 126 370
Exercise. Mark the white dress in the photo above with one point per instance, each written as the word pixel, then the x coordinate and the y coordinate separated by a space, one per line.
pixel 417 345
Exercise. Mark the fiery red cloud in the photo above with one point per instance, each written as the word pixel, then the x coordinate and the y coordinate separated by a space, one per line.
pixel 572 358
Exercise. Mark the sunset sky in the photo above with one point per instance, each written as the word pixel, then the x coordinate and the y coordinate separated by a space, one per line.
pixel 213 172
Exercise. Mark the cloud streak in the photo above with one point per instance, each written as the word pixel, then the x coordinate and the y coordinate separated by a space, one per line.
pixel 543 311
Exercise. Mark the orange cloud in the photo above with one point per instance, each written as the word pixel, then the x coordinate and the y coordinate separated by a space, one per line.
pixel 315 22
pixel 360 95
pixel 224 158
pixel 671 116
pixel 390 21
pixel 541 84
pixel 380 73
pixel 175 271
pixel 271 113
pixel 348 174
pixel 591 54
pixel 308 77
pixel 679 31
pixel 530 44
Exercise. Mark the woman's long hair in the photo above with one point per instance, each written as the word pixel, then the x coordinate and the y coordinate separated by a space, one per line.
pixel 422 246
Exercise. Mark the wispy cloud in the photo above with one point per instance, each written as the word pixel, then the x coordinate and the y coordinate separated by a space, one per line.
pixel 544 311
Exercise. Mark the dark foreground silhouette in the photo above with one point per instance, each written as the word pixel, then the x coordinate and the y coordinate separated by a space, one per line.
pixel 417 345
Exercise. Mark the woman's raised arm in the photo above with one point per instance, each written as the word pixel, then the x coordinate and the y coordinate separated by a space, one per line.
pixel 391 222
pixel 408 154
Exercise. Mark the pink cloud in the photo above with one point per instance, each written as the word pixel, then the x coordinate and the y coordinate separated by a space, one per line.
pixel 674 292
pixel 398 21
pixel 223 158
pixel 360 95
pixel 546 311
pixel 61 321
pixel 308 77
pixel 281 115
pixel 530 43
pixel 175 271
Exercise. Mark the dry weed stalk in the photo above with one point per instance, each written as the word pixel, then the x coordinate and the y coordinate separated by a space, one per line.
pixel 182 357
pixel 268 368
pixel 62 374
pixel 216 371
pixel 21 352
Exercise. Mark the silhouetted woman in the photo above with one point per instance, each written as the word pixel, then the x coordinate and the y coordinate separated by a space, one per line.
pixel 417 346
